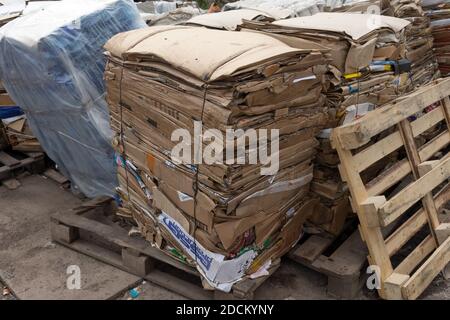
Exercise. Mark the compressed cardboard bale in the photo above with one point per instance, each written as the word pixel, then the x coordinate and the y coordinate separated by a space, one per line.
pixel 362 71
pixel 162 79
pixel 419 38
pixel 438 11
pixel 54 72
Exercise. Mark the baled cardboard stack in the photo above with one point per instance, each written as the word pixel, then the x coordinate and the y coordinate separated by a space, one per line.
pixel 419 40
pixel 439 13
pixel 360 46
pixel 161 79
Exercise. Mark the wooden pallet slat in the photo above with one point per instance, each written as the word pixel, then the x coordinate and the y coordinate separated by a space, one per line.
pixel 405 232
pixel 376 210
pixel 394 208
pixel 421 279
pixel 416 256
pixel 380 149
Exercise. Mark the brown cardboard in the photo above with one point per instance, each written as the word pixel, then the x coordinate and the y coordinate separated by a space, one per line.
pixel 163 79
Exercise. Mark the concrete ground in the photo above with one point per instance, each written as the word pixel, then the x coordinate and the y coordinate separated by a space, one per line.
pixel 32 267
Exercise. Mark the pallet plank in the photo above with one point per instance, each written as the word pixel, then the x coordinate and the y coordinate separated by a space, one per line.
pixel 373 236
pixel 349 258
pixel 392 142
pixel 402 201
pixel 422 278
pixel 410 227
pixel 416 256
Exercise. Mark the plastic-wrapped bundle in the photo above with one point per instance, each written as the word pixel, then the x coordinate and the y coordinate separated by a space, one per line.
pixel 52 65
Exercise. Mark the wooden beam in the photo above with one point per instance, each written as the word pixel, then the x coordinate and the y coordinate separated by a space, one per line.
pixel 393 286
pixel 421 279
pixel 370 209
pixel 402 201
pixel 419 254
pixel 389 178
pixel 406 231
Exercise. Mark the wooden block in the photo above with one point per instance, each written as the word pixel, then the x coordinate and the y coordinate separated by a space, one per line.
pixel 340 213
pixel 370 208
pixel 393 286
pixel 61 232
pixel 140 265
pixel 406 231
pixel 427 166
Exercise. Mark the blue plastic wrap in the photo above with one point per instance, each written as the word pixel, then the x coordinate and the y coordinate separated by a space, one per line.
pixel 52 66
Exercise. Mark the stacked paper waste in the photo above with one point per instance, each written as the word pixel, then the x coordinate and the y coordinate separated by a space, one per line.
pixel 439 13
pixel 54 72
pixel 227 216
pixel 419 38
pixel 368 69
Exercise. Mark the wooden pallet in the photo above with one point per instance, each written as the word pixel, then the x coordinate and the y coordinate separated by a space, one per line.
pixel 424 140
pixel 14 162
pixel 89 229
pixel 342 259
